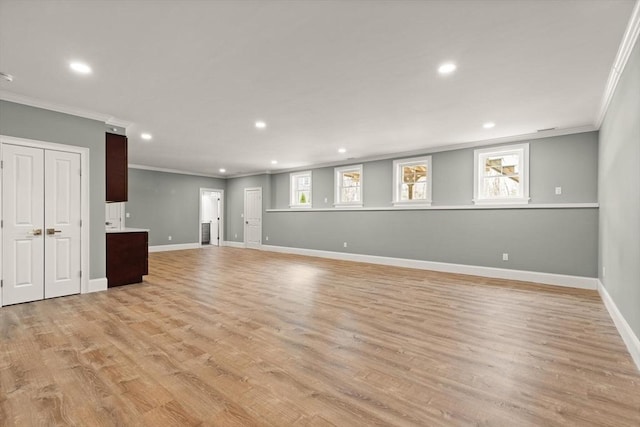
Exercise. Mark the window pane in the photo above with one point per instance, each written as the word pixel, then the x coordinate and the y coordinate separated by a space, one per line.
pixel 413 173
pixel 350 194
pixel 501 187
pixel 350 179
pixel 303 197
pixel 420 191
pixel 502 165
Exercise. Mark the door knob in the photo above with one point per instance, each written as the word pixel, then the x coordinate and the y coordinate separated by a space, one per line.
pixel 51 231
pixel 36 231
pixel 246 222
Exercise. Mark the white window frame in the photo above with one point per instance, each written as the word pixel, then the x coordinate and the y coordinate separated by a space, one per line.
pixel 521 150
pixel 338 180
pixel 397 181
pixel 293 202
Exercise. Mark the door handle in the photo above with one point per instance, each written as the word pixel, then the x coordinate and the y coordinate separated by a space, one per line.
pixel 51 231
pixel 36 231
pixel 246 222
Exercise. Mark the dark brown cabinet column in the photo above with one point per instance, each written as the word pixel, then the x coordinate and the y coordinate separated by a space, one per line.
pixel 116 168
pixel 127 257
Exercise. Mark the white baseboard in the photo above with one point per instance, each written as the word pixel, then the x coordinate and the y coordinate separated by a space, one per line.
pixel 233 244
pixel 97 285
pixel 498 273
pixel 179 247
pixel 630 339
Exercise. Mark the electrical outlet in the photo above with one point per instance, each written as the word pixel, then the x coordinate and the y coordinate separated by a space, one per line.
pixel 326 199
pixel 235 236
pixel 505 256
pixel 345 244
pixel 266 238
pixel 169 238
pixel 128 215
pixel 241 215
pixel 558 191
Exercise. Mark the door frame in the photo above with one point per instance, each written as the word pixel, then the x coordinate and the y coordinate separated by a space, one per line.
pixel 221 213
pixel 84 199
pixel 244 215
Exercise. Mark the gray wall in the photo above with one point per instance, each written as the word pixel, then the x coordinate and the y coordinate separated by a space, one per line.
pixel 569 161
pixel 619 183
pixel 167 204
pixel 235 203
pixel 23 121
pixel 561 241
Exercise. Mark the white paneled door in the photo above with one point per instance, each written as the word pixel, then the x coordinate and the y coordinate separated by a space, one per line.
pixel 253 217
pixel 62 222
pixel 41 223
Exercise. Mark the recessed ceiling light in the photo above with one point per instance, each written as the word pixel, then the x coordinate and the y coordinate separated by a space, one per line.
pixel 342 150
pixel 260 124
pixel 274 162
pixel 488 125
pixel 80 67
pixel 6 76
pixel 222 170
pixel 146 136
pixel 114 129
pixel 447 68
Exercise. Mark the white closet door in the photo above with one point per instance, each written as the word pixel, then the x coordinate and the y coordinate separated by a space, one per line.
pixel 62 220
pixel 23 216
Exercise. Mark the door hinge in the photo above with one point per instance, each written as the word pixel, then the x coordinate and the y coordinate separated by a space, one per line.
pixel 1 164
pixel 1 223
pixel 1 283
pixel 80 273
pixel 80 223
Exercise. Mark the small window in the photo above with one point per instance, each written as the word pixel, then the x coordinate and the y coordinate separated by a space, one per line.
pixel 348 186
pixel 501 175
pixel 412 182
pixel 301 189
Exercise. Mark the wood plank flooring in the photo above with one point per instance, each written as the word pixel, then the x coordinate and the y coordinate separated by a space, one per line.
pixel 233 337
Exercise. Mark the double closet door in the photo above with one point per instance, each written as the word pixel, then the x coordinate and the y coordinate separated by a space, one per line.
pixel 41 214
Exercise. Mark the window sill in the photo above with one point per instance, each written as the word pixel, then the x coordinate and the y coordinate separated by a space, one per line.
pixel 347 206
pixel 299 206
pixel 417 204
pixel 501 202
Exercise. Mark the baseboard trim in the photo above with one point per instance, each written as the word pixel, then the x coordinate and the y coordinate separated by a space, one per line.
pixel 233 244
pixel 497 273
pixel 630 339
pixel 179 247
pixel 97 285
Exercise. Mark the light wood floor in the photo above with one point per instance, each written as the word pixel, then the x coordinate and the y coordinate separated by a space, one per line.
pixel 224 336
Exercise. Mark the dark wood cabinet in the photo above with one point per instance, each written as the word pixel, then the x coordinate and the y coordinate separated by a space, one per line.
pixel 116 168
pixel 127 257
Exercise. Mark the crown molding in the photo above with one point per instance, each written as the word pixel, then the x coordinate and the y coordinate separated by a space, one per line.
pixel 176 171
pixel 629 41
pixel 38 103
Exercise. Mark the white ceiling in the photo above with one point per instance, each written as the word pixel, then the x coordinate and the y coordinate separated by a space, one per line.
pixel 322 74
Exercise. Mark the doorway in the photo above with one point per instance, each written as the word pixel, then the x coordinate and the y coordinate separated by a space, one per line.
pixel 253 217
pixel 44 203
pixel 211 223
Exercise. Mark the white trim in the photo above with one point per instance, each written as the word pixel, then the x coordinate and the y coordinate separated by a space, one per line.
pixel 397 181
pixel 85 198
pixel 220 214
pixel 629 40
pixel 630 339
pixel 176 171
pixel 451 207
pixel 522 151
pixel 292 190
pixel 87 114
pixel 97 285
pixel 337 180
pixel 435 149
pixel 177 247
pixel 498 273
pixel 233 244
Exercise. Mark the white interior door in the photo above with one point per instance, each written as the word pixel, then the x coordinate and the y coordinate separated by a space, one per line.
pixel 23 216
pixel 62 220
pixel 215 219
pixel 253 217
